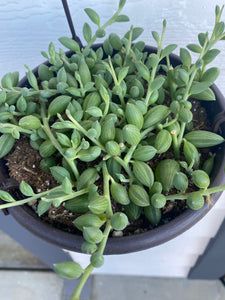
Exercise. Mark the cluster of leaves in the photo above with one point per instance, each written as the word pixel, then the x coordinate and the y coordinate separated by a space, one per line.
pixel 114 108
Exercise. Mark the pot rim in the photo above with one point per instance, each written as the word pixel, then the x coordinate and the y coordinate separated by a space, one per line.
pixel 126 244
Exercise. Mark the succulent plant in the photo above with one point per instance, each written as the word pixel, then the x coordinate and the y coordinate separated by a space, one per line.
pixel 114 109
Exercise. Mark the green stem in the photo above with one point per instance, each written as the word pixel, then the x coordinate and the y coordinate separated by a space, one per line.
pixel 70 196
pixel 176 146
pixel 84 278
pixel 207 192
pixel 21 202
pixel 129 154
pixel 181 134
pixel 106 178
pixel 84 131
pixel 20 129
pixel 124 165
pixel 146 131
pixel 54 141
pixel 101 248
pixel 109 22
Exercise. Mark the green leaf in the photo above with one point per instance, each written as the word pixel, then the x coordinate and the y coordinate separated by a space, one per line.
pixel 143 71
pixel 119 221
pixel 32 79
pixel 207 95
pixel 168 50
pixel 89 219
pixel 201 38
pixel 93 16
pixel 122 18
pixel 94 111
pixel 30 122
pixel 42 207
pixel 92 234
pixel 123 73
pixel 7 81
pixel 157 83
pixel 44 73
pixel 98 204
pixel 67 186
pixel 21 104
pixel 78 204
pixel 74 91
pixel 194 48
pixel 203 138
pixel 3 97
pixel 185 57
pixel 58 105
pixel 210 55
pixel 70 44
pixel 6 144
pixel 90 154
pixel 52 52
pixel 87 33
pixel 63 125
pixel 210 75
pixel 219 29
pixel 88 177
pixel 59 173
pixel 104 94
pixel 26 189
pixel 68 270
pixel 199 87
pixel 121 4
pixel 44 54
pixel 61 75
pixel 63 139
pixel 136 32
pixel 100 33
pixel 156 36
pixel 6 197
pixel 46 148
pixel 15 78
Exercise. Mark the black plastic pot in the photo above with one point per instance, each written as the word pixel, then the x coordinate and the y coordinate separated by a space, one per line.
pixel 27 218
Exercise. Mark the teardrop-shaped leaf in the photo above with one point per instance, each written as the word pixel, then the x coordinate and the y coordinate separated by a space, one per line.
pixel 122 18
pixel 26 189
pixel 42 207
pixel 157 83
pixel 6 144
pixel 199 87
pixel 143 71
pixel 194 48
pixel 185 57
pixel 210 75
pixel 168 50
pixel 207 95
pixel 6 197
pixel 59 173
pixel 58 105
pixel 87 32
pixel 93 16
pixel 70 44
pixel 68 270
pixel 210 55
pixel 137 31
pixel 203 138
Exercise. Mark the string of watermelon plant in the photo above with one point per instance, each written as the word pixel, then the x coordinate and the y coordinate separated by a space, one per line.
pixel 106 115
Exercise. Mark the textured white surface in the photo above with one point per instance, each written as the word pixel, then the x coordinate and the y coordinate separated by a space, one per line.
pixel 27 27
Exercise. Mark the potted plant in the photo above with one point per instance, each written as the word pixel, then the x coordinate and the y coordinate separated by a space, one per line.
pixel 115 131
